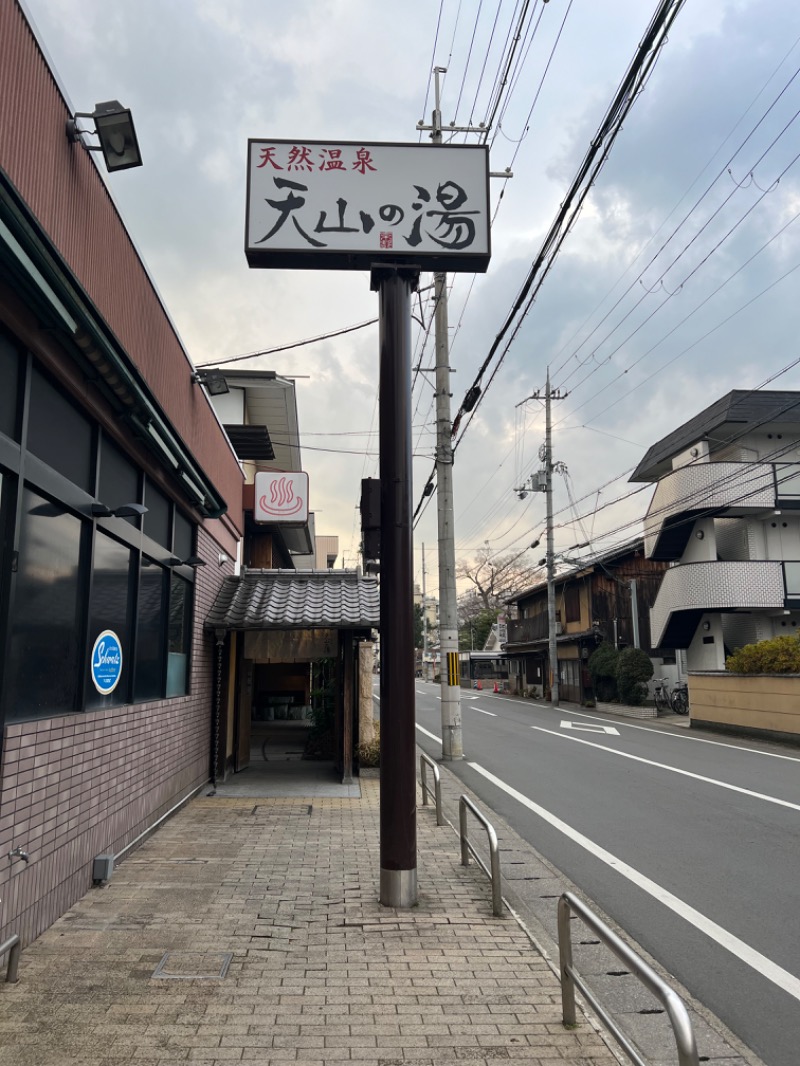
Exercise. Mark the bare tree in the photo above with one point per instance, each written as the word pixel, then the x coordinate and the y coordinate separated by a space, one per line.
pixel 492 579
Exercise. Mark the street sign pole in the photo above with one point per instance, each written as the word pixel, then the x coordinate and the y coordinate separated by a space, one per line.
pixel 393 209
pixel 398 808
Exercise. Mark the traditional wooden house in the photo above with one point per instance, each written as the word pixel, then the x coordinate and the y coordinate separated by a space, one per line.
pixel 606 598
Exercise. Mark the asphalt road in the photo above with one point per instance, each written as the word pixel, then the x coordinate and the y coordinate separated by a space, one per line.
pixel 688 840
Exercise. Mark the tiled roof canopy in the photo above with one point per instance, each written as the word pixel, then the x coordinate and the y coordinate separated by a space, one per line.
pixel 296 599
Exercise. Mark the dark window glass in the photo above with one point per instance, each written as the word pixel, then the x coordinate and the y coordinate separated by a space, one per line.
pixel 179 636
pixel 156 521
pixel 59 434
pixel 184 536
pixel 572 603
pixel 46 627
pixel 150 636
pixel 108 609
pixel 9 390
pixel 119 478
pixel 6 496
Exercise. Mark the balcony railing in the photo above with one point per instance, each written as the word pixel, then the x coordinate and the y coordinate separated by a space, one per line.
pixel 689 590
pixel 528 630
pixel 710 489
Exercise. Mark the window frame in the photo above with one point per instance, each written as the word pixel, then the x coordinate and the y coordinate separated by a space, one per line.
pixel 21 469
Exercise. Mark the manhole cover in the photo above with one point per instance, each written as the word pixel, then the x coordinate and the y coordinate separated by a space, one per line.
pixel 194 965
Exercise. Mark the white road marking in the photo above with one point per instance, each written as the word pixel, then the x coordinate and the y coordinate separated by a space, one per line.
pixel 376 697
pixel 673 769
pixel 758 962
pixel 485 712
pixel 590 728
pixel 431 735
pixel 661 732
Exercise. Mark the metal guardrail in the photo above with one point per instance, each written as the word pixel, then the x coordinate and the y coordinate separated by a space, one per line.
pixel 437 786
pixel 570 979
pixel 14 949
pixel 465 804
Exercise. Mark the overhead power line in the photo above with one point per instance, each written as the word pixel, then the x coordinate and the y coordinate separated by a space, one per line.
pixel 593 162
pixel 294 344
pixel 599 149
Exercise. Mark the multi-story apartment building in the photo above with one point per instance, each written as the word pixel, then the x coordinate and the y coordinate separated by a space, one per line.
pixel 726 516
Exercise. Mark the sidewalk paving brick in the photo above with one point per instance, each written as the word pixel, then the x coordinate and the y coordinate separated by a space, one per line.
pixel 319 971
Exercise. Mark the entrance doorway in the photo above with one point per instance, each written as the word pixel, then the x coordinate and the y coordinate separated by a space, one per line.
pixel 280 716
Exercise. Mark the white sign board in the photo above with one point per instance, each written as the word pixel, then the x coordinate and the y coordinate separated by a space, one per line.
pixel 281 498
pixel 351 206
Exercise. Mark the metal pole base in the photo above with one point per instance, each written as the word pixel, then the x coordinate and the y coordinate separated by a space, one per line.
pixel 399 888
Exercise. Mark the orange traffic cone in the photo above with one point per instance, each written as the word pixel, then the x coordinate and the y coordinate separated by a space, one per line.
pixel 480 686
pixel 496 689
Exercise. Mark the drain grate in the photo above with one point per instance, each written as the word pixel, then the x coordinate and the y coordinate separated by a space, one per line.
pixel 298 810
pixel 193 965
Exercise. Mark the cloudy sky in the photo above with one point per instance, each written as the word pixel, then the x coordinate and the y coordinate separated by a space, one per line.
pixel 678 283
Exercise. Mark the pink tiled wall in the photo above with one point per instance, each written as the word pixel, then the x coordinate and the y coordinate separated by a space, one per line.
pixel 81 785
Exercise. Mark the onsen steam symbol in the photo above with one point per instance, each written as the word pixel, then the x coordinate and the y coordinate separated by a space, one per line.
pixel 282 500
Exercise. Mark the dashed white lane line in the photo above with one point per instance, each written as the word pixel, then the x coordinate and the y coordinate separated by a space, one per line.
pixel 758 962
pixel 478 709
pixel 673 769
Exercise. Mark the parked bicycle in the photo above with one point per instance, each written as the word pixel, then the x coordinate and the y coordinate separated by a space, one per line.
pixel 679 699
pixel 661 694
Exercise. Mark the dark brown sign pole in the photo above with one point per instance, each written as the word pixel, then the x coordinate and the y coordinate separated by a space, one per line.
pixel 398 813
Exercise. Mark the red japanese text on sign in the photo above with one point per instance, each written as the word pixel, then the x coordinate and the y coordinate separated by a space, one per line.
pixel 298 157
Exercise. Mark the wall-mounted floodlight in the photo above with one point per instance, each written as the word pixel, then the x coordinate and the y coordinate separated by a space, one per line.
pixel 113 125
pixel 213 381
pixel 125 510
pixel 194 561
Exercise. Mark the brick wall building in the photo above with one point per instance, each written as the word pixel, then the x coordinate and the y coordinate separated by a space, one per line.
pixel 98 411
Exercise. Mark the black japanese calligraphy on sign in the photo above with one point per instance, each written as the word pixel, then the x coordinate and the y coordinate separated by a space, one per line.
pixel 347 206
pixel 455 225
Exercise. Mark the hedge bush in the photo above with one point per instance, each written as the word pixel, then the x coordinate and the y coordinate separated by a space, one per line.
pixel 602 666
pixel 634 670
pixel 781 655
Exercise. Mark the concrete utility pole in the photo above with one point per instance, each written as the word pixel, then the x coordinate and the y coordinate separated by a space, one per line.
pixel 552 654
pixel 452 741
pixel 424 620
pixel 534 484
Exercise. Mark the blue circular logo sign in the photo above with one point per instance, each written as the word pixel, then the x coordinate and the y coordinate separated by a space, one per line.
pixel 106 662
